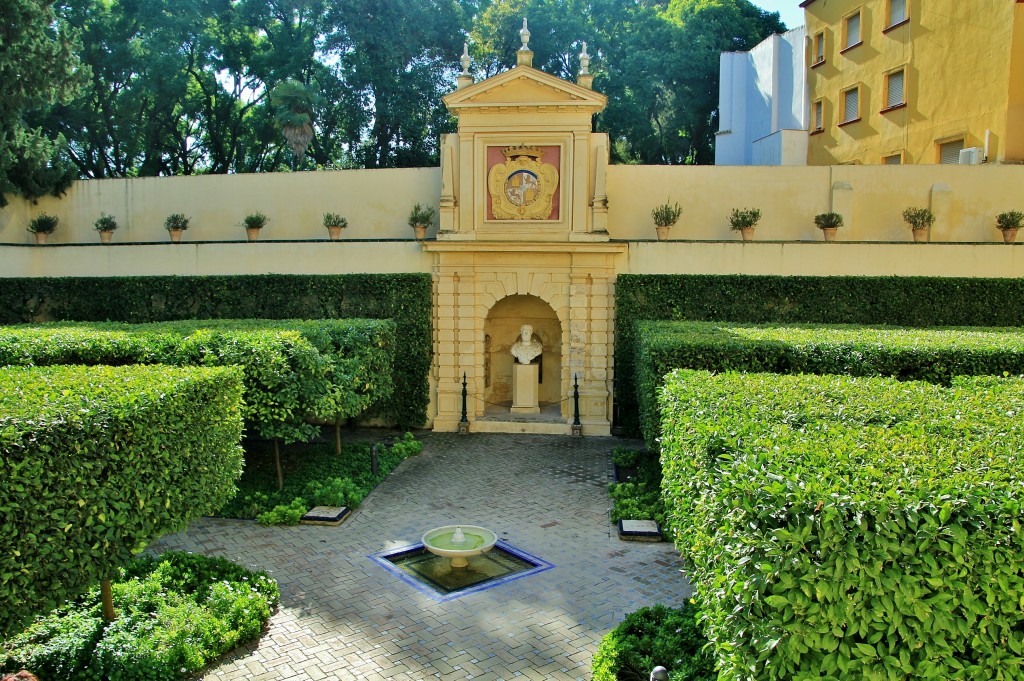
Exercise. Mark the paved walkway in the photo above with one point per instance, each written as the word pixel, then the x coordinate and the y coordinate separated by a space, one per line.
pixel 342 616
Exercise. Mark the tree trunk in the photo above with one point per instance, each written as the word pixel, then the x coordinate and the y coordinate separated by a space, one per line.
pixel 337 436
pixel 277 462
pixel 107 596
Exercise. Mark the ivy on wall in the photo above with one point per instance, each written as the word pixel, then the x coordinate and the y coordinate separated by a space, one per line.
pixel 903 301
pixel 403 298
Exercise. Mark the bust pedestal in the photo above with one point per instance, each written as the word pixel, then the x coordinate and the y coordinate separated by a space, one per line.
pixel 525 388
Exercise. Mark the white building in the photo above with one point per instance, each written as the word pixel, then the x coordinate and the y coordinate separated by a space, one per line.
pixel 763 107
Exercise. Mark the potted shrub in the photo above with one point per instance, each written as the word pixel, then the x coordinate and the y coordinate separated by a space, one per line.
pixel 744 221
pixel 42 226
pixel 829 223
pixel 175 224
pixel 665 216
pixel 420 218
pixel 105 225
pixel 253 223
pixel 920 221
pixel 334 224
pixel 1008 223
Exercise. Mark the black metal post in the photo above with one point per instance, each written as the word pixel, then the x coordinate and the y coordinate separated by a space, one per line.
pixel 464 422
pixel 374 465
pixel 577 427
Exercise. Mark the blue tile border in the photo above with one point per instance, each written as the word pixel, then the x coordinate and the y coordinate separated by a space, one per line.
pixel 381 558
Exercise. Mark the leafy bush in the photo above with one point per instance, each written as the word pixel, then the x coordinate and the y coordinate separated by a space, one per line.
pixel 43 224
pixel 935 355
pixel 176 221
pixel 105 223
pixel 283 514
pixel 840 527
pixel 640 497
pixel 625 457
pixel 403 298
pixel 744 218
pixel 667 214
pixel 649 637
pixel 333 492
pixel 1012 219
pixel 293 368
pixel 829 220
pixel 178 612
pixel 309 472
pixel 903 301
pixel 98 461
pixel 919 218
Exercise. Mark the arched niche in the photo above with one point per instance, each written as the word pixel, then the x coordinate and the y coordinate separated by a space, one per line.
pixel 501 330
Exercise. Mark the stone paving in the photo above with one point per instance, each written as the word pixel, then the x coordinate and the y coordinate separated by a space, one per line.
pixel 342 616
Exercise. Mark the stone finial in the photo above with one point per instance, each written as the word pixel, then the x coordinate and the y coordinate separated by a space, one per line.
pixel 584 79
pixel 524 57
pixel 464 79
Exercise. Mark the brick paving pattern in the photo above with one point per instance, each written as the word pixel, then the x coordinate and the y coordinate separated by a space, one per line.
pixel 342 616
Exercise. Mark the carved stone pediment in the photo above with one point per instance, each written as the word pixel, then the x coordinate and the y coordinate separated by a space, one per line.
pixel 525 89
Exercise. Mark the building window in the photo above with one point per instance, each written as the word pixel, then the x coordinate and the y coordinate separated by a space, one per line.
pixel 851 31
pixel 894 160
pixel 819 49
pixel 949 152
pixel 897 12
pixel 851 105
pixel 819 116
pixel 895 94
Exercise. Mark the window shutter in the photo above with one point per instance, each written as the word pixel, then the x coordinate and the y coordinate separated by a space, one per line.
pixel 893 160
pixel 897 11
pixel 853 30
pixel 819 48
pixel 894 95
pixel 818 122
pixel 850 107
pixel 950 151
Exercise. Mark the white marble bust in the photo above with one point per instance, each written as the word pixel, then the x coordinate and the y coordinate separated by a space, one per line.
pixel 526 349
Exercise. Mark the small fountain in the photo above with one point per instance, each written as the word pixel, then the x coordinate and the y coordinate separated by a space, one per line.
pixel 459 542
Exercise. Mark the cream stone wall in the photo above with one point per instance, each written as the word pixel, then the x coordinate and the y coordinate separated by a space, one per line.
pixel 965 200
pixel 376 203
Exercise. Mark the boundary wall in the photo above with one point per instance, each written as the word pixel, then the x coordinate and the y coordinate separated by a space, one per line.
pixel 965 200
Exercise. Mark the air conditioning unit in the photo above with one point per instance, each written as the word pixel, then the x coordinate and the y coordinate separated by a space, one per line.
pixel 972 156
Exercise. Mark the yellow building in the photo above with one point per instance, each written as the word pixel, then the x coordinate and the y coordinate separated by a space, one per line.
pixel 915 81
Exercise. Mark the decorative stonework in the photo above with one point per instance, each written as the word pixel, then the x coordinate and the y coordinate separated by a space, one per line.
pixel 523 187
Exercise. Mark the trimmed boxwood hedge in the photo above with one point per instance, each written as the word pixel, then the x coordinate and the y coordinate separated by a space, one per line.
pixel 873 301
pixel 934 355
pixel 840 527
pixel 405 299
pixel 293 368
pixel 96 462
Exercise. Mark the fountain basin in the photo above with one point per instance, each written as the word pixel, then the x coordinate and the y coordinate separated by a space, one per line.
pixel 459 542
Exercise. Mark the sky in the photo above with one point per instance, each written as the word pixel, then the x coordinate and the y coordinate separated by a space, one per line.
pixel 789 10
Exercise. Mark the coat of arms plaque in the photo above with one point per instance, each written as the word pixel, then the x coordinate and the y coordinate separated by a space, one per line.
pixel 522 188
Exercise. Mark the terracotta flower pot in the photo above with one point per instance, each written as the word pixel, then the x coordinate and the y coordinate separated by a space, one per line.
pixel 252 233
pixel 334 233
pixel 420 231
pixel 662 232
pixel 1009 236
pixel 175 235
pixel 105 237
pixel 41 238
pixel 747 233
pixel 920 235
pixel 829 233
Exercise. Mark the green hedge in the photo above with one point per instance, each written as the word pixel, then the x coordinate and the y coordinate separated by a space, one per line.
pixel 840 527
pixel 293 368
pixel 934 355
pixel 405 299
pixel 874 301
pixel 652 637
pixel 98 461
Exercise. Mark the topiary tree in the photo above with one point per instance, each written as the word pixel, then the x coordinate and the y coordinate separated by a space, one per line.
pixel 97 462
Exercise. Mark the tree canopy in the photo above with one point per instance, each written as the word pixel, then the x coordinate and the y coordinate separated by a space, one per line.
pixel 121 88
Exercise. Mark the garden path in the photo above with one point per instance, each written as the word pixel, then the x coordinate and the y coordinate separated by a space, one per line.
pixel 343 616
